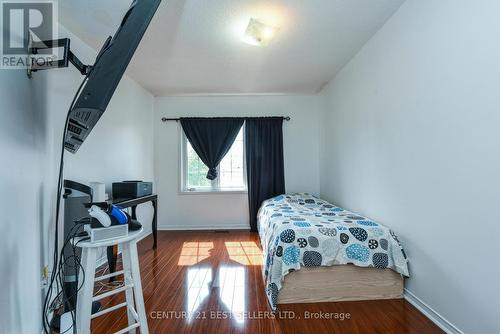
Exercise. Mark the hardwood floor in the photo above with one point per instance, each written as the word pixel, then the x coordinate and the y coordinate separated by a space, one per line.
pixel 206 282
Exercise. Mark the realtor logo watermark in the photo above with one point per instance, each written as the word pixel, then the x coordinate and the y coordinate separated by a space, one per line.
pixel 24 22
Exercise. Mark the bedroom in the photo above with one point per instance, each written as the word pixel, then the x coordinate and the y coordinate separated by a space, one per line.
pixel 390 145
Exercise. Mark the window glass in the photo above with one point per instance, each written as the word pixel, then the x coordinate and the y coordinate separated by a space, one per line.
pixel 231 170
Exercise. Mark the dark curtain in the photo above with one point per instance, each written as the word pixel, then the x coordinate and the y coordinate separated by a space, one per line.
pixel 264 159
pixel 211 139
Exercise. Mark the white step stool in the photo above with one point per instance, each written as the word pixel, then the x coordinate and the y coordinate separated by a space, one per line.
pixel 132 285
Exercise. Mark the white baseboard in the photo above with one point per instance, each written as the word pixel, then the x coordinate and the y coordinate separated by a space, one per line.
pixel 185 227
pixel 145 235
pixel 430 313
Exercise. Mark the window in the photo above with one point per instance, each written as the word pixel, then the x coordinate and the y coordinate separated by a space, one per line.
pixel 231 170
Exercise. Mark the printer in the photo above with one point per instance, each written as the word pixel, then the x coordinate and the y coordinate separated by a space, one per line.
pixel 131 189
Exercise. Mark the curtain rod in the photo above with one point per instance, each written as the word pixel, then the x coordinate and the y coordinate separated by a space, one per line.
pixel 165 119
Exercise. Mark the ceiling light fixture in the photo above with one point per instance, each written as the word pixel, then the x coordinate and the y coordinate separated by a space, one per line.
pixel 258 33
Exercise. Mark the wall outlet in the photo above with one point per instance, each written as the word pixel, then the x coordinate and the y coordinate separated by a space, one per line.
pixel 45 277
pixel 45 272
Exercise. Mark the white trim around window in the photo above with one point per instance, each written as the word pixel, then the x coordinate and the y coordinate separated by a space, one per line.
pixel 214 188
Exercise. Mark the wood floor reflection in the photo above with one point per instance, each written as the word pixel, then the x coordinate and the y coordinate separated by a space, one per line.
pixel 206 282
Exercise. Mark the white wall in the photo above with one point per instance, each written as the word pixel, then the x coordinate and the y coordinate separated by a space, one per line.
pixel 31 120
pixel 196 211
pixel 412 140
pixel 20 205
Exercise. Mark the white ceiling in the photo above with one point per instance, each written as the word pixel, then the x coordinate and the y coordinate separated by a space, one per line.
pixel 194 47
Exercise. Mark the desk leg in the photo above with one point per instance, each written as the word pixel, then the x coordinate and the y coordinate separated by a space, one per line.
pixel 155 218
pixel 112 252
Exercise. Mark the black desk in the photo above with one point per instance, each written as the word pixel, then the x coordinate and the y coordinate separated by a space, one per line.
pixel 133 203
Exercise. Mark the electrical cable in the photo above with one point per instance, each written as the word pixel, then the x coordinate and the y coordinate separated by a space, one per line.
pixel 77 266
pixel 55 274
pixel 54 304
pixel 46 322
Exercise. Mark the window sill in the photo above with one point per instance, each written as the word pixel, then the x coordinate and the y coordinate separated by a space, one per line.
pixel 213 192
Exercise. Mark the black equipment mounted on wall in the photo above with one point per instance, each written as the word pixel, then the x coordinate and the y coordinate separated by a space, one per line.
pixel 107 71
pixel 89 103
pixel 68 56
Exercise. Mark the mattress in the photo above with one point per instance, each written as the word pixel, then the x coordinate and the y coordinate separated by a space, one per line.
pixel 300 230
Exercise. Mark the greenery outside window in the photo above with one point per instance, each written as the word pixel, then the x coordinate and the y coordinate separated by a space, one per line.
pixel 231 171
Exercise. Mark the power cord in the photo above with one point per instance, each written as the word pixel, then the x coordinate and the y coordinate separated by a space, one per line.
pixel 77 266
pixel 56 256
pixel 53 276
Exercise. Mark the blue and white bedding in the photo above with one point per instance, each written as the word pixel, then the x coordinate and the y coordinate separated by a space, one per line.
pixel 302 230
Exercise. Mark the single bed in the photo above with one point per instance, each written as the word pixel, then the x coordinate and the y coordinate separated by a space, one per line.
pixel 315 251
